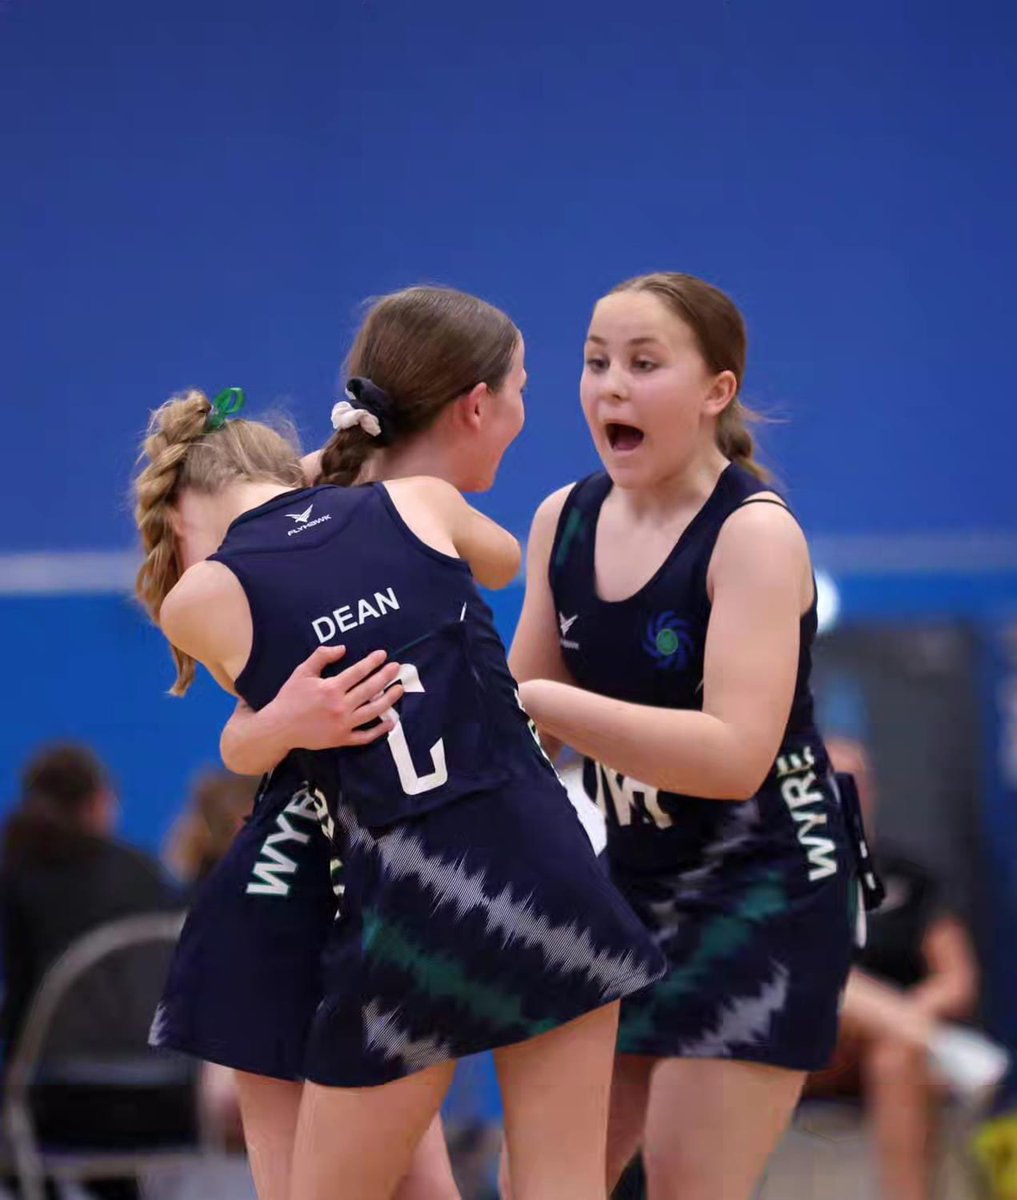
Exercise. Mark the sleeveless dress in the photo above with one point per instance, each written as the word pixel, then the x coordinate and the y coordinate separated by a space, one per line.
pixel 472 912
pixel 752 901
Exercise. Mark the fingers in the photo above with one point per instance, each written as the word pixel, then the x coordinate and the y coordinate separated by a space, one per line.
pixel 373 685
pixel 379 709
pixel 347 680
pixel 324 656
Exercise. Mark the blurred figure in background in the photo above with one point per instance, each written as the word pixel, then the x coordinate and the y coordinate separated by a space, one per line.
pixel 219 804
pixel 216 810
pixel 63 874
pixel 924 952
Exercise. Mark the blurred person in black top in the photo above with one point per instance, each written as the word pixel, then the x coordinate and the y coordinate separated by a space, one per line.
pixel 63 874
pixel 919 949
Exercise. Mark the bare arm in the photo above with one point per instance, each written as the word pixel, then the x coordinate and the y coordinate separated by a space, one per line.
pixel 314 713
pixel 206 615
pixel 950 990
pixel 440 517
pixel 760 585
pixel 535 652
pixel 871 1008
pixel 493 553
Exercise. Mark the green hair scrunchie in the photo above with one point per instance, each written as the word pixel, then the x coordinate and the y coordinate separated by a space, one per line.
pixel 227 404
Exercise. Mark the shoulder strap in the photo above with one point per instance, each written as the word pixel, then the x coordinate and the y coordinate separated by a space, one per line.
pixel 763 500
pixel 572 537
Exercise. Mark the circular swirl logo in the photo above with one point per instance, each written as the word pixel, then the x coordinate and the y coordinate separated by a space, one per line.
pixel 668 639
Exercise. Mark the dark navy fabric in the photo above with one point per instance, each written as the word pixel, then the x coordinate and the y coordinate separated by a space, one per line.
pixel 246 979
pixel 750 900
pixel 330 565
pixel 472 912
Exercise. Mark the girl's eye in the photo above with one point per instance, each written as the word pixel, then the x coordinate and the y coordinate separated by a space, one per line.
pixel 596 364
pixel 644 364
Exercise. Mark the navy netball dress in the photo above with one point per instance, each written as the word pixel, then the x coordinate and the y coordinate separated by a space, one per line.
pixel 246 979
pixel 752 901
pixel 473 913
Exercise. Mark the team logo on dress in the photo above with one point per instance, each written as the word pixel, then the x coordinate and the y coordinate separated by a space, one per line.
pixel 303 520
pixel 669 640
pixel 565 624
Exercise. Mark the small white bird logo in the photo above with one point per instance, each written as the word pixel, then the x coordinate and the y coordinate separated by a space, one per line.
pixel 566 623
pixel 301 518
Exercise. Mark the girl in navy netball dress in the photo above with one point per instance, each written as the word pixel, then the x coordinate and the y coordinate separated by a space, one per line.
pixel 247 980
pixel 474 915
pixel 666 634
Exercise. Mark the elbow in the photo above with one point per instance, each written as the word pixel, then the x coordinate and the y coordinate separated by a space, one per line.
pixel 726 785
pixel 232 759
pixel 739 780
pixel 739 792
pixel 745 765
pixel 506 571
pixel 748 782
pixel 966 989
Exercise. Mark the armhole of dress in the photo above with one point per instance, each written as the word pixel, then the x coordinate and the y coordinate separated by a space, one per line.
pixel 567 508
pixel 787 509
pixel 256 641
pixel 761 500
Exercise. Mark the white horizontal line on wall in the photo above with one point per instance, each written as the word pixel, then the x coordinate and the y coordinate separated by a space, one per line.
pixel 97 572
pixel 71 572
pixel 916 553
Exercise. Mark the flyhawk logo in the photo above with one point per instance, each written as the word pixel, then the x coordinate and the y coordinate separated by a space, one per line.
pixel 566 624
pixel 303 520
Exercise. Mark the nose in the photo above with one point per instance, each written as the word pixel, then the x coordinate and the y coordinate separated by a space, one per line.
pixel 613 384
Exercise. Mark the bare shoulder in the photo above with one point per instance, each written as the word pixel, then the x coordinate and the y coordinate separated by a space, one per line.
pixel 204 589
pixel 545 519
pixel 760 537
pixel 427 489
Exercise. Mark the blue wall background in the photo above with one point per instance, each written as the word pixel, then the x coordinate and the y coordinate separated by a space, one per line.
pixel 203 194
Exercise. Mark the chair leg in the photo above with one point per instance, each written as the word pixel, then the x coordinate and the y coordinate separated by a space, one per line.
pixel 27 1163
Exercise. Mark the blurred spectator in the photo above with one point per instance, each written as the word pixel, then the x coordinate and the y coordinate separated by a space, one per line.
pixel 919 947
pixel 219 804
pixel 63 874
pixel 214 814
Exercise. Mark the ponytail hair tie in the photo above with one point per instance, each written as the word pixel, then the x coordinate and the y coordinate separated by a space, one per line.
pixel 367 406
pixel 227 404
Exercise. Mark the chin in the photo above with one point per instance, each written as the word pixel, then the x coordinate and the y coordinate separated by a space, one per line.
pixel 480 483
pixel 626 473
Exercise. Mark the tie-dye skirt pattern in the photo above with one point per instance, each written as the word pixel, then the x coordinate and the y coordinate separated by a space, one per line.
pixel 480 924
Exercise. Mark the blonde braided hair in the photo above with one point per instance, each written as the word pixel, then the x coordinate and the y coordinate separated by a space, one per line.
pixel 181 452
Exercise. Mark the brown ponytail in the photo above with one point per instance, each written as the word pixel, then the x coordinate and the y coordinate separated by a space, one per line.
pixel 423 347
pixel 344 456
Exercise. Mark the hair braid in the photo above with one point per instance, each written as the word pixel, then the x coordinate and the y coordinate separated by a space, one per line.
pixel 172 429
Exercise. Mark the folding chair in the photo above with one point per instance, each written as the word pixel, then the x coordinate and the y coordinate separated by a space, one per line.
pixel 139 1070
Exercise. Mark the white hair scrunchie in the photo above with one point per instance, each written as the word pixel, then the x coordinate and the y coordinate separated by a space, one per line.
pixel 345 416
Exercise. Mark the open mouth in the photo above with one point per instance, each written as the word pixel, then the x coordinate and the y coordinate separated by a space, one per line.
pixel 623 437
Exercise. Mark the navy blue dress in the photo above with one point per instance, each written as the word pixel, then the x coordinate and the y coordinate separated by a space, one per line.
pixel 473 913
pixel 752 901
pixel 246 980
